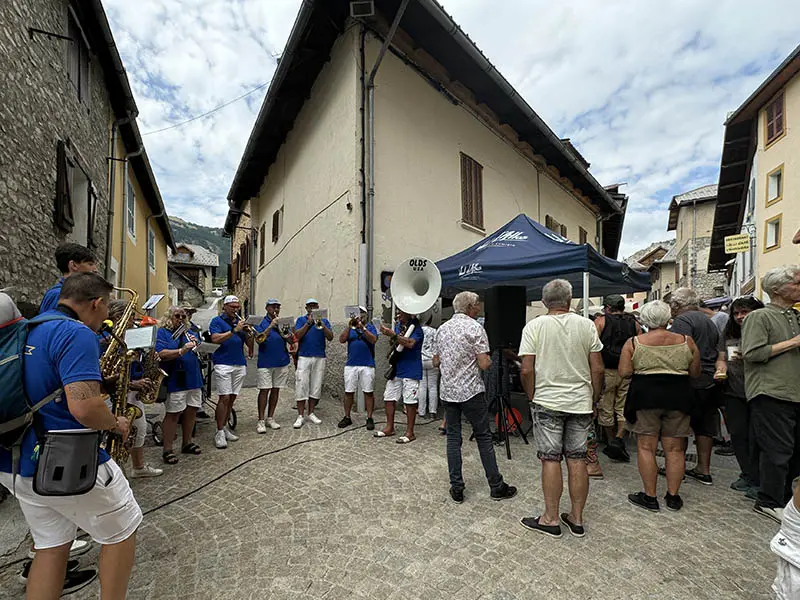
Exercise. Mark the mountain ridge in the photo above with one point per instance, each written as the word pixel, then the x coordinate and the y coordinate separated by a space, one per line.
pixel 210 238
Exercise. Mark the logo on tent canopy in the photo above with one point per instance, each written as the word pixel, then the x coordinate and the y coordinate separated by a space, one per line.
pixel 504 239
pixel 467 270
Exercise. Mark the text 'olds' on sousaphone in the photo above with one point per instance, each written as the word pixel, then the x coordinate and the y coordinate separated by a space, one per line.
pixel 416 285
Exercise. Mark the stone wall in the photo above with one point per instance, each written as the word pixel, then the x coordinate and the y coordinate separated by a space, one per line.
pixel 707 285
pixel 39 107
pixel 191 294
pixel 241 235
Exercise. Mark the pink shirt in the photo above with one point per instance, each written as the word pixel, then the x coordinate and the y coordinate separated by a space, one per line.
pixel 458 343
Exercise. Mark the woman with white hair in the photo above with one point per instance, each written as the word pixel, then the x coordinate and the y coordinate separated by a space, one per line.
pixel 660 364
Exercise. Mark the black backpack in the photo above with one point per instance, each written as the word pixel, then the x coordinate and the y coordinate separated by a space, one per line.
pixel 617 330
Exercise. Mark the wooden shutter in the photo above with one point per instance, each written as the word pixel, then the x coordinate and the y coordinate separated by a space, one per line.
pixel 582 235
pixel 563 230
pixel 471 191
pixel 774 118
pixel 548 222
pixel 276 223
pixel 63 203
pixel 92 207
pixel 262 239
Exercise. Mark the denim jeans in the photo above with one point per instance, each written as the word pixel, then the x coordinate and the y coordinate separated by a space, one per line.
pixel 477 413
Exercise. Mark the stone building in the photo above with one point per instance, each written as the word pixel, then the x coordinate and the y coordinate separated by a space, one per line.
pixel 185 290
pixel 691 217
pixel 644 260
pixel 197 264
pixel 243 240
pixel 66 102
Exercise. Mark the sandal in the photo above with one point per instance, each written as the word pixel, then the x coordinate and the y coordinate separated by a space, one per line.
pixel 191 448
pixel 404 439
pixel 170 458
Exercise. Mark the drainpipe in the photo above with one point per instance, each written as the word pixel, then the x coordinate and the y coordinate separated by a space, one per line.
pixel 371 154
pixel 124 238
pixel 111 199
pixel 253 242
pixel 693 251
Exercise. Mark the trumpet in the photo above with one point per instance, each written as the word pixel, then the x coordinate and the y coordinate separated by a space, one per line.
pixel 317 322
pixel 260 338
pixel 249 330
pixel 355 323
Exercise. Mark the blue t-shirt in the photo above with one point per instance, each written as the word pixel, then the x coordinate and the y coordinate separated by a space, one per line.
pixel 231 351
pixel 57 353
pixel 409 365
pixel 313 342
pixel 183 372
pixel 360 353
pixel 272 352
pixel 50 300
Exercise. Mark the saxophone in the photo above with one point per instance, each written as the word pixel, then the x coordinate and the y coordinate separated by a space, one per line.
pixel 154 373
pixel 116 361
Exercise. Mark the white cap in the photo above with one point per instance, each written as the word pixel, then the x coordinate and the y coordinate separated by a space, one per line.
pixel 229 299
pixel 312 301
pixel 362 309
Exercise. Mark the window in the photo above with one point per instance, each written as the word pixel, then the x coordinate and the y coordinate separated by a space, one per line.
pixel 76 197
pixel 180 294
pixel 774 185
pixel 471 192
pixel 772 238
pixel 151 249
pixel 751 197
pixel 719 290
pixel 262 236
pixel 77 58
pixel 774 119
pixel 130 212
pixel 554 225
pixel 583 235
pixel 277 225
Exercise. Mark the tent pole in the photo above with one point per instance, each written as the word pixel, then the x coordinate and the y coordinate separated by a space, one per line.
pixel 586 295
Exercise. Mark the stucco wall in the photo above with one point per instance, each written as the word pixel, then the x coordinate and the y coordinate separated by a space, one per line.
pixel 313 180
pixel 419 137
pixel 136 247
pixel 785 151
pixel 40 106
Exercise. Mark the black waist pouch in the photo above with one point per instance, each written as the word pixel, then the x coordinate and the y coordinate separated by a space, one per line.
pixel 68 462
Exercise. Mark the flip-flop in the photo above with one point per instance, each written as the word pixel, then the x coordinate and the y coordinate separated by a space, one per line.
pixel 404 440
pixel 381 434
pixel 191 448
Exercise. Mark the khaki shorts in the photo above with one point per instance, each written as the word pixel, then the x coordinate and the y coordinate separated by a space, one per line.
pixel 657 421
pixel 612 403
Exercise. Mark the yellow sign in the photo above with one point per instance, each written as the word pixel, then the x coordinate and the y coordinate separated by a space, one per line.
pixel 737 243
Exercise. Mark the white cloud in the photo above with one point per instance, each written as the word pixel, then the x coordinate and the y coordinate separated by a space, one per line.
pixel 642 88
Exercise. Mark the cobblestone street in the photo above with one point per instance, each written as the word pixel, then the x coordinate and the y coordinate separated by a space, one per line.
pixel 291 514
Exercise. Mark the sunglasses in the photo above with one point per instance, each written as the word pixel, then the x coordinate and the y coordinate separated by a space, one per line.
pixel 179 315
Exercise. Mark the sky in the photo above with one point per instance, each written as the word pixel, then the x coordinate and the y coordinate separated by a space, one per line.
pixel 641 88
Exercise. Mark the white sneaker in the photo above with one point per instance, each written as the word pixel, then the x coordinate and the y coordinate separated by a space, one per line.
pixel 298 422
pixel 78 548
pixel 146 471
pixel 219 440
pixel 261 427
pixel 230 436
pixel 314 419
pixel 272 423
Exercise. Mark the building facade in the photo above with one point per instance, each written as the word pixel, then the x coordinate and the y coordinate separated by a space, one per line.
pixel 64 91
pixel 650 259
pixel 691 217
pixel 760 180
pixel 333 214
pixel 196 263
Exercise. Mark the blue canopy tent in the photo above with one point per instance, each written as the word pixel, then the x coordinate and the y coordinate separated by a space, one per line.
pixel 524 253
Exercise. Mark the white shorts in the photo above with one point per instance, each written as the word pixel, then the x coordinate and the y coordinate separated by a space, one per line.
pixel 273 377
pixel 178 401
pixel 140 424
pixel 309 376
pixel 359 377
pixel 402 389
pixel 108 513
pixel 228 379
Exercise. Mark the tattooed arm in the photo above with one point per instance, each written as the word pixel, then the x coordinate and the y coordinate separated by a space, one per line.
pixel 86 402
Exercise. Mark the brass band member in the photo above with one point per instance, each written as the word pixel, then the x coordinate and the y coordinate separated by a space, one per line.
pixel 64 354
pixel 70 258
pixel 184 382
pixel 230 366
pixel 138 383
pixel 312 337
pixel 359 371
pixel 273 365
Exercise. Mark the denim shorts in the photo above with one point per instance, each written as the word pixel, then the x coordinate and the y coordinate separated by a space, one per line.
pixel 559 434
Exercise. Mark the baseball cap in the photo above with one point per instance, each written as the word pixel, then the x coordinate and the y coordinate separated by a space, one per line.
pixel 230 299
pixel 273 301
pixel 187 308
pixel 363 309
pixel 312 301
pixel 614 301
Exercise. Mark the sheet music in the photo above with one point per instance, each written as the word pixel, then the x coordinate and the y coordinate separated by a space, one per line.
pixel 141 338
pixel 207 348
pixel 351 312
pixel 254 320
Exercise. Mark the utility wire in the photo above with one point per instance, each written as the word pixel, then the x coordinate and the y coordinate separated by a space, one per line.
pixel 210 112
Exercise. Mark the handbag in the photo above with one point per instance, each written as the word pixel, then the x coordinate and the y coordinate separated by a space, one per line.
pixel 68 461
